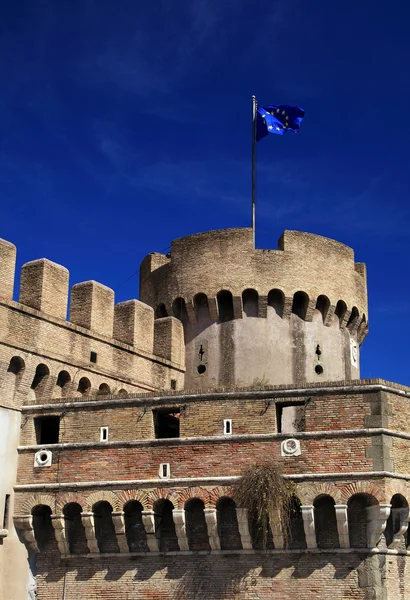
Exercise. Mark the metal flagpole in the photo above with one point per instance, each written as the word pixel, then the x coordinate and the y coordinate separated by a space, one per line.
pixel 254 108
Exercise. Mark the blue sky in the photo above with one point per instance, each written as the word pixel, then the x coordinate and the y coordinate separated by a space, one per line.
pixel 127 124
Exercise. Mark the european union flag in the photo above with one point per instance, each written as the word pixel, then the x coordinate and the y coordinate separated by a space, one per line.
pixel 278 119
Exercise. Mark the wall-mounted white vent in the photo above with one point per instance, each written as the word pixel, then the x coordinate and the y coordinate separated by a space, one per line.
pixel 164 471
pixel 290 447
pixel 227 426
pixel 43 458
pixel 103 434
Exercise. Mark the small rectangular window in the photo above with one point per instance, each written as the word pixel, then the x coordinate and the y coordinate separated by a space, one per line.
pixel 103 434
pixel 6 512
pixel 173 384
pixel 166 422
pixel 47 430
pixel 164 470
pixel 227 426
pixel 93 356
pixel 290 417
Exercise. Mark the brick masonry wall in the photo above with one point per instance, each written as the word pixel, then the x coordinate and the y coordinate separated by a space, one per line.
pixel 308 576
pixel 61 346
pixel 225 259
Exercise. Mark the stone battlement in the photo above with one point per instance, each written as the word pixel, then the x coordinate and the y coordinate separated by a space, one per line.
pixel 215 262
pixel 119 343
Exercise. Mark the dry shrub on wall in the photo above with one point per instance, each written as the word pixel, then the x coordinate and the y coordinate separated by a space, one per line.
pixel 267 496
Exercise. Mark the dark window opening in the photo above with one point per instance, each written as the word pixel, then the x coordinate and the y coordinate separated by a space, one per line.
pixel 63 378
pixel 40 376
pixel 250 300
pixel 276 300
pixel 173 384
pixel 84 386
pixel 300 304
pixel 319 369
pixel 340 311
pixel 166 422
pixel 6 511
pixel 93 356
pixel 161 311
pixel 225 306
pixel 16 365
pixel 201 369
pixel 290 418
pixel 47 429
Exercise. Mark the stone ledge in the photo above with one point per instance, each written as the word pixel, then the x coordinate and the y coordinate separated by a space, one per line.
pixel 215 439
pixel 275 392
pixel 3 533
pixel 198 481
pixel 130 555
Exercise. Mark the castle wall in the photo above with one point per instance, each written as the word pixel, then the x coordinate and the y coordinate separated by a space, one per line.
pixel 291 315
pixel 273 577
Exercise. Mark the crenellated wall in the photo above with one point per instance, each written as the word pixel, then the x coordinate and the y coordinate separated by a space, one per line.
pixel 293 315
pixel 103 348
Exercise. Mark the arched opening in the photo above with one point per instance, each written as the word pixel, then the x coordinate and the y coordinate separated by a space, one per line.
pixel 161 311
pixel 276 300
pixel 63 383
pixel 322 306
pixel 43 529
pixel 134 527
pixel 250 301
pixel 201 308
pixel 340 311
pixel 75 532
pixel 357 512
pixel 12 378
pixel 165 526
pixel 353 319
pixel 16 366
pixel 327 535
pixel 300 304
pixel 228 524
pixel 196 529
pixel 225 306
pixel 104 527
pixel 398 516
pixel 257 536
pixel 123 393
pixel 84 386
pixel 104 390
pixel 40 380
pixel 297 537
pixel 179 310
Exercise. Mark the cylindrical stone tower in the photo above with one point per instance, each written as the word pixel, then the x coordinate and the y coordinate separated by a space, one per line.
pixel 293 315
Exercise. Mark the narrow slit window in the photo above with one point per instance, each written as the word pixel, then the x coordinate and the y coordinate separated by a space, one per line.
pixel 103 434
pixel 6 511
pixel 227 426
pixel 93 356
pixel 164 470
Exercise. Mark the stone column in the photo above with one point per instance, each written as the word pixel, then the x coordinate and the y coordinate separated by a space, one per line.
pixel 58 523
pixel 376 522
pixel 24 525
pixel 342 525
pixel 87 520
pixel 243 526
pixel 308 515
pixel 180 528
pixel 148 521
pixel 119 526
pixel 404 517
pixel 212 526
pixel 276 530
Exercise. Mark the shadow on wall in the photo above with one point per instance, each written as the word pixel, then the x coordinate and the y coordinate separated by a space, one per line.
pixel 201 577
